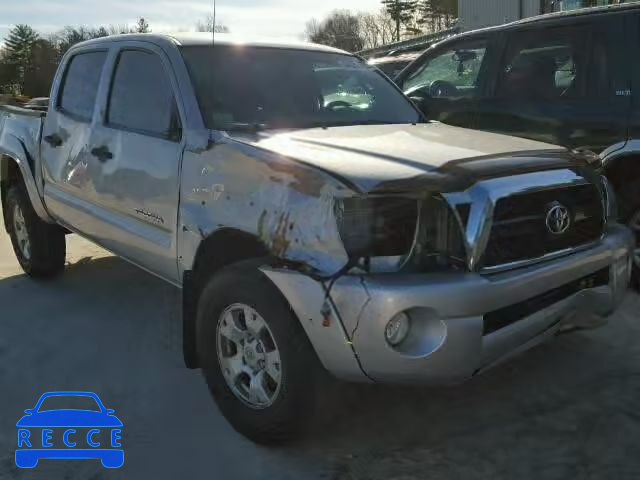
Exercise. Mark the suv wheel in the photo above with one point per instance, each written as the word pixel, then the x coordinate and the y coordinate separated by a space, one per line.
pixel 258 363
pixel 39 247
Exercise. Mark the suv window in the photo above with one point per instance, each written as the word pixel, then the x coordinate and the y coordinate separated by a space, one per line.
pixel 141 97
pixel 549 66
pixel 452 73
pixel 80 84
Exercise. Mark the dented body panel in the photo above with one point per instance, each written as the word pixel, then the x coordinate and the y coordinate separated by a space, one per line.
pixel 288 206
pixel 20 133
pixel 158 202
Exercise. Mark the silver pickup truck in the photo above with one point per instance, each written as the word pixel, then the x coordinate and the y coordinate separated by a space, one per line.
pixel 310 215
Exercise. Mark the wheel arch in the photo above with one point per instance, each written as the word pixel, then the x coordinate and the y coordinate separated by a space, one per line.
pixel 220 249
pixel 13 168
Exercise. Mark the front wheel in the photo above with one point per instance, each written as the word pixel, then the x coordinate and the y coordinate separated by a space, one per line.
pixel 258 363
pixel 39 247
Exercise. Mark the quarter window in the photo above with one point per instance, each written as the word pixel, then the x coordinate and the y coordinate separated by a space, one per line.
pixel 141 97
pixel 80 85
pixel 453 73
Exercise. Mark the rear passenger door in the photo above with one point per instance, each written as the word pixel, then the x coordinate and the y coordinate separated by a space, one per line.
pixel 447 81
pixel 561 84
pixel 136 151
pixel 66 136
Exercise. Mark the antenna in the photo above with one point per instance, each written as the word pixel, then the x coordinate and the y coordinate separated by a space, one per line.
pixel 213 24
pixel 213 58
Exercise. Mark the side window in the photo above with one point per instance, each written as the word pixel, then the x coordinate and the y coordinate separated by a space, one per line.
pixel 80 85
pixel 549 65
pixel 141 98
pixel 452 73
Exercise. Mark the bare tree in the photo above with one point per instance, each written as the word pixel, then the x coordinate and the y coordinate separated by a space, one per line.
pixel 142 26
pixel 209 25
pixel 377 28
pixel 402 12
pixel 341 29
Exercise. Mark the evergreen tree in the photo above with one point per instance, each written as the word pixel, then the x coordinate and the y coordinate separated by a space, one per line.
pixel 19 45
pixel 437 14
pixel 401 11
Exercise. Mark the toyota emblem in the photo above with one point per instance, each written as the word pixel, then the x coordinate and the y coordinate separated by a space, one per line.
pixel 558 218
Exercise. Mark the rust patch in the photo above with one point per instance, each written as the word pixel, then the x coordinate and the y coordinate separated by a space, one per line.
pixel 280 243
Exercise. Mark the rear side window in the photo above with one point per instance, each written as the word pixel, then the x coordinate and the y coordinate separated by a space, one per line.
pixel 80 85
pixel 544 66
pixel 141 98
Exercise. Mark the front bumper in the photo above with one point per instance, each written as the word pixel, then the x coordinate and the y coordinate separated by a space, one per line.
pixel 449 339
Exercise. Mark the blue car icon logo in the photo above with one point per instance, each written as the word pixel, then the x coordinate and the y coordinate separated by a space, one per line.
pixel 69 425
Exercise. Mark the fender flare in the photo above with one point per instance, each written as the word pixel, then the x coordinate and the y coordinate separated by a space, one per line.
pixel 20 156
pixel 614 153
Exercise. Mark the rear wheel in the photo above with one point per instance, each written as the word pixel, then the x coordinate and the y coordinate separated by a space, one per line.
pixel 257 361
pixel 39 247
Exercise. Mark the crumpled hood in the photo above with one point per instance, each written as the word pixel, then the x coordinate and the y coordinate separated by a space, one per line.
pixel 376 158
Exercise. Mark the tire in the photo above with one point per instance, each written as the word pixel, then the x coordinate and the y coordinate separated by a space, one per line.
pixel 629 201
pixel 43 254
pixel 300 371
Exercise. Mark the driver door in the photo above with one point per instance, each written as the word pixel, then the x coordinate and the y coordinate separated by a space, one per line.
pixel 447 82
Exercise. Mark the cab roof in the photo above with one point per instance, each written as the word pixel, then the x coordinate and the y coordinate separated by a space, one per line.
pixel 206 38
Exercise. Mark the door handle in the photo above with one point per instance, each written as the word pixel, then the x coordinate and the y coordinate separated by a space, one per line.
pixel 102 153
pixel 54 140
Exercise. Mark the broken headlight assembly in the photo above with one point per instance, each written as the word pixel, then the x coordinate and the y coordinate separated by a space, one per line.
pixel 385 233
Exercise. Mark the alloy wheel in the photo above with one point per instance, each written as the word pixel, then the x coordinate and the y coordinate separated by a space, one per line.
pixel 20 232
pixel 248 355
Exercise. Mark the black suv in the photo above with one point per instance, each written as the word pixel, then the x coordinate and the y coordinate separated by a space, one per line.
pixel 564 78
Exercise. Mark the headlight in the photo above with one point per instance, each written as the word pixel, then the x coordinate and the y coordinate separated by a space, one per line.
pixel 424 233
pixel 377 226
pixel 609 200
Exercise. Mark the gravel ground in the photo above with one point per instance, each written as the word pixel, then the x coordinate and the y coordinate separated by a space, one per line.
pixel 567 409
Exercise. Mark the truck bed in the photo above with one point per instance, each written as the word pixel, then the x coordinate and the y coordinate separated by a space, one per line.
pixel 22 128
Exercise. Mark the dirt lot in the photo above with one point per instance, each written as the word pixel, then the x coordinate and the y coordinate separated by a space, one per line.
pixel 568 409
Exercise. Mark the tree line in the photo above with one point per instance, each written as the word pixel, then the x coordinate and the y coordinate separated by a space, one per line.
pixel 29 60
pixel 396 20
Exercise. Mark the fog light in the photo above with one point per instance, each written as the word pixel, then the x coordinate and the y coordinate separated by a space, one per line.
pixel 397 329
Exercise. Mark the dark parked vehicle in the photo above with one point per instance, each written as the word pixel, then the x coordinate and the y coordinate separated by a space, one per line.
pixel 392 65
pixel 564 78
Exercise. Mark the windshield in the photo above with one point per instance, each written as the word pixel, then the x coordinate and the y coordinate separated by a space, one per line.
pixel 254 88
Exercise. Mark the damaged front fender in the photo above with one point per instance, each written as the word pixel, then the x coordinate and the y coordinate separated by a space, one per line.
pixel 287 205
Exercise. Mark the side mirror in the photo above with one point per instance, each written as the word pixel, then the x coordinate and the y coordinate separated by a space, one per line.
pixel 422 102
pixel 29 411
pixel 109 411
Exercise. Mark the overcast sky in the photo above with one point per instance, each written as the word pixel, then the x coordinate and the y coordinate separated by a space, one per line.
pixel 284 18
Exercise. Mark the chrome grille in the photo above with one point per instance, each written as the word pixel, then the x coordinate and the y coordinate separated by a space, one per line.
pixel 520 232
